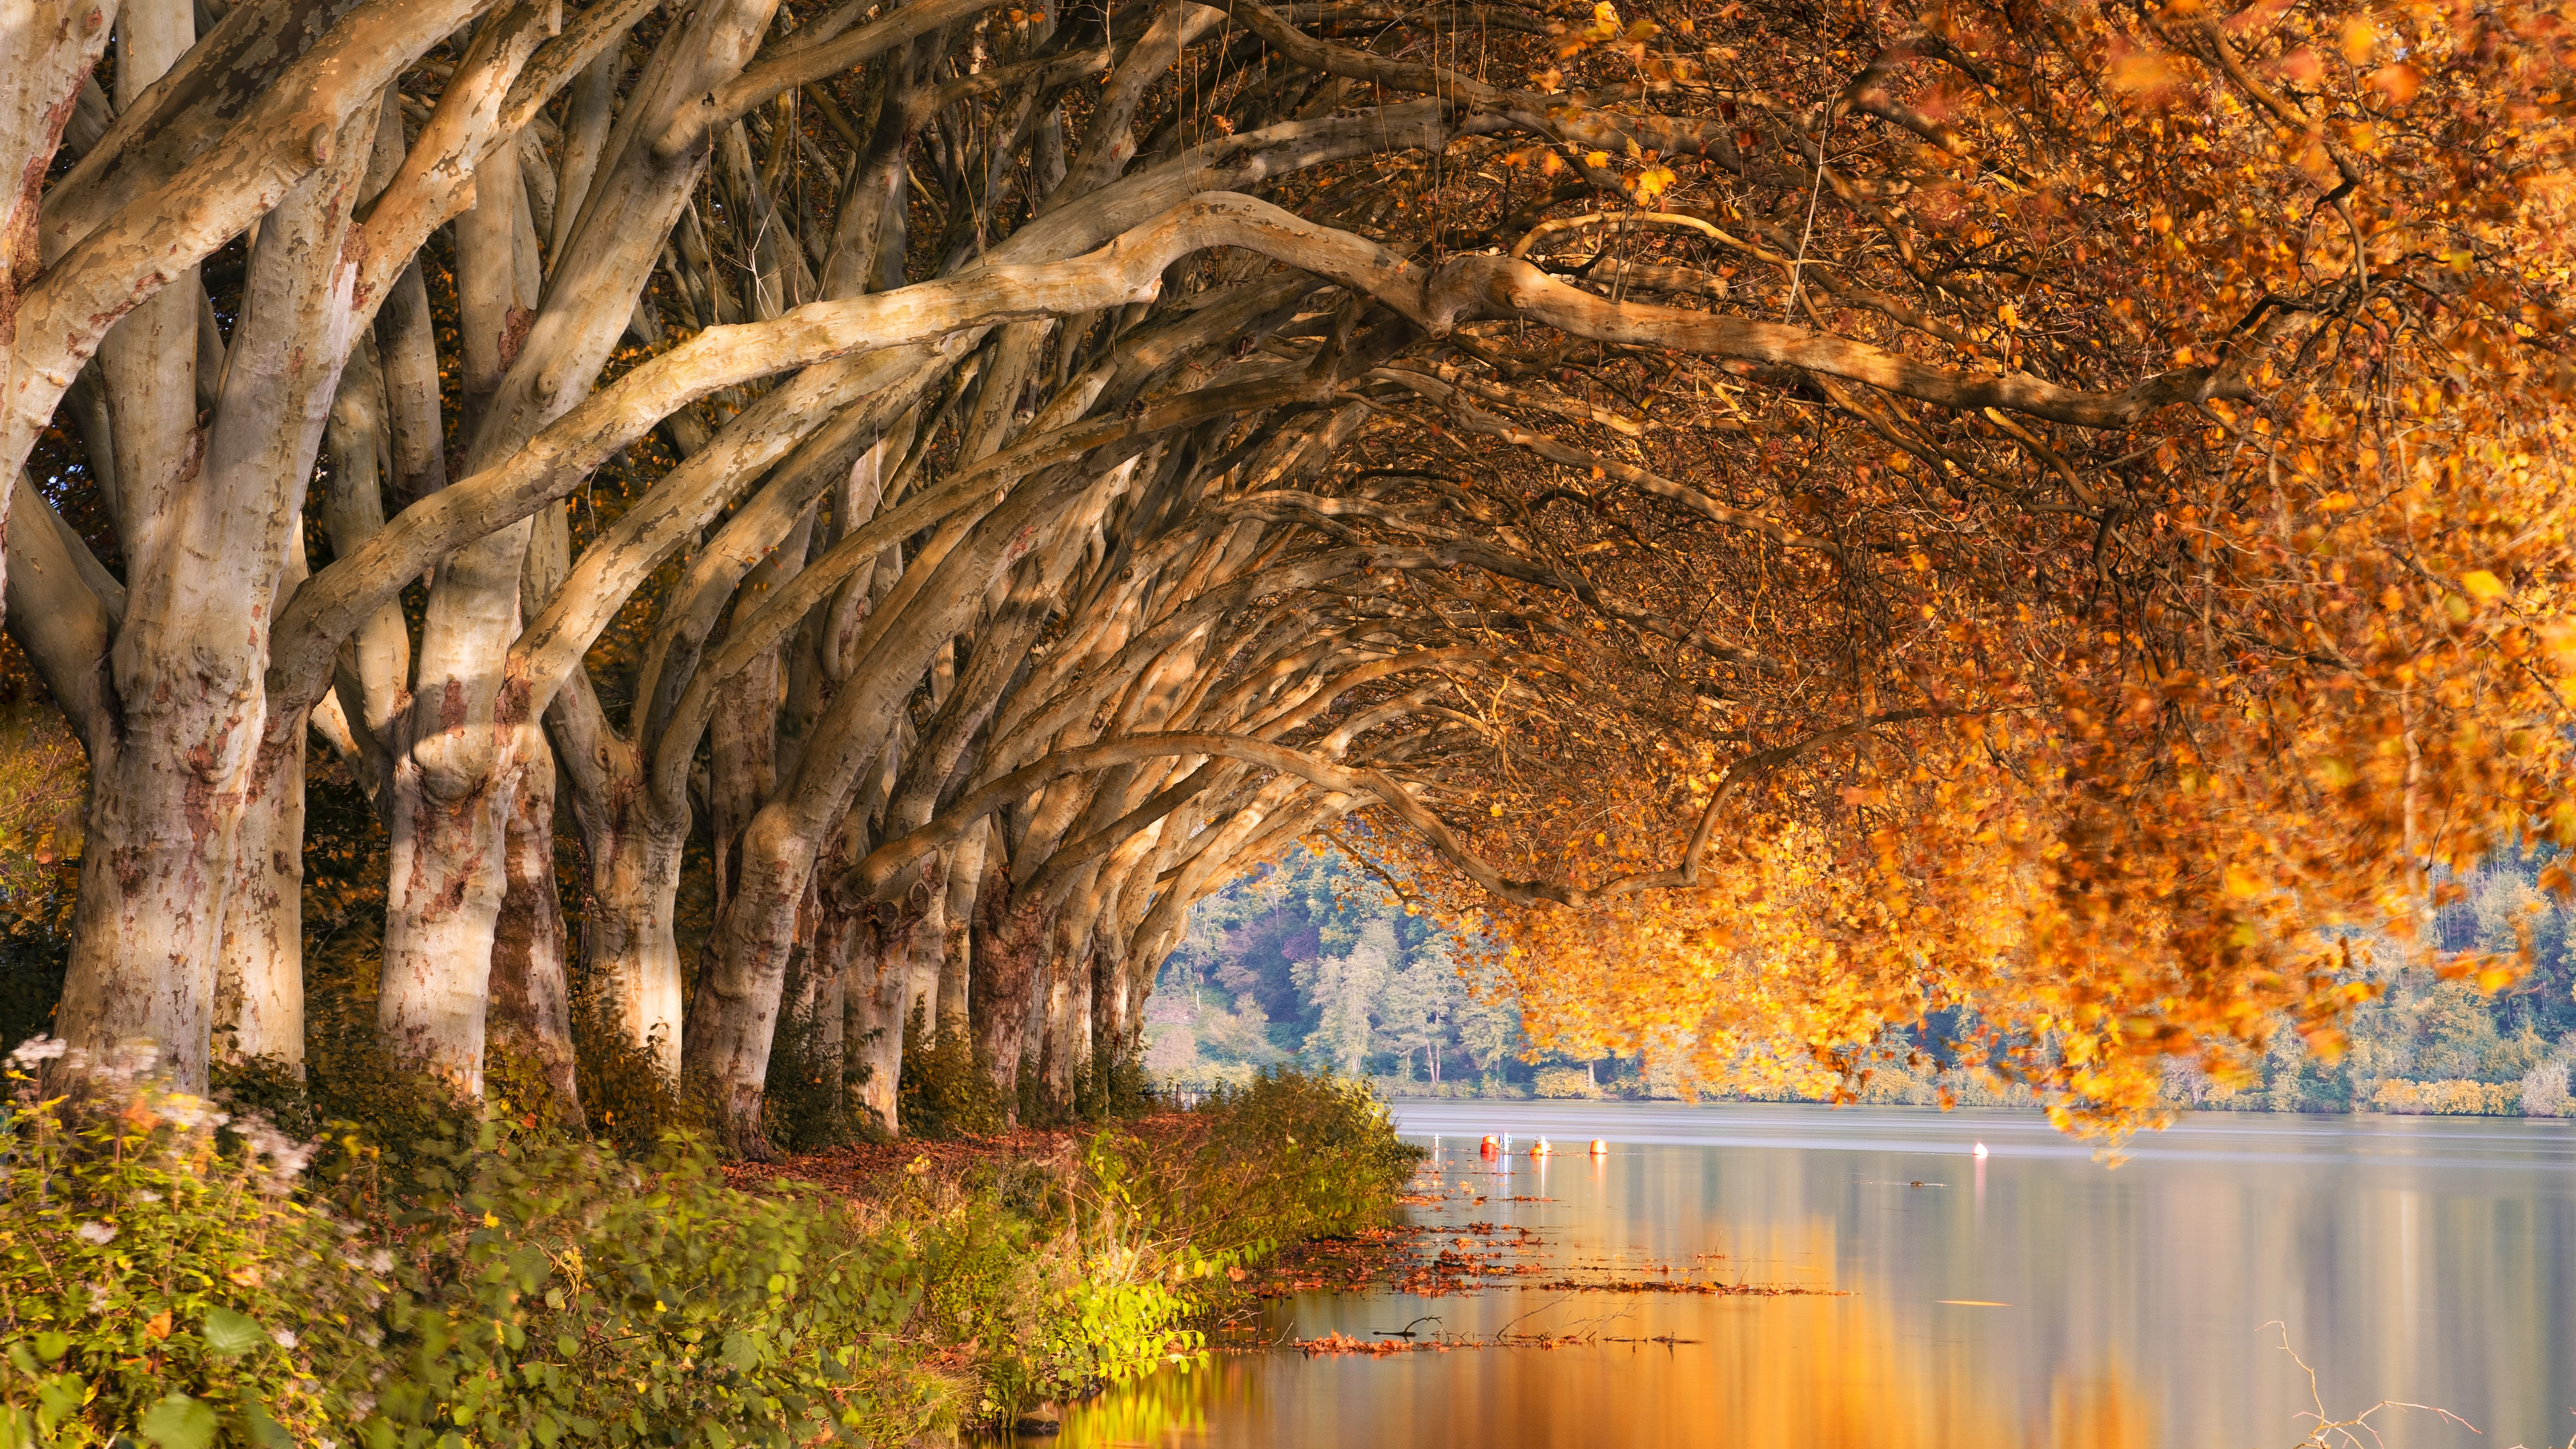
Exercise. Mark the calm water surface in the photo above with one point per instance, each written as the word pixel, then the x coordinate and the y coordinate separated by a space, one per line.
pixel 2035 1300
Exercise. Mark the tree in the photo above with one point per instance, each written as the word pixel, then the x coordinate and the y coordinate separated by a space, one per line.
pixel 1348 991
pixel 1417 1009
pixel 1683 490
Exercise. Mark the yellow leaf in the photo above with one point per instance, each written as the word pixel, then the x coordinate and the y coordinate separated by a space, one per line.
pixel 2242 883
pixel 2144 72
pixel 2483 586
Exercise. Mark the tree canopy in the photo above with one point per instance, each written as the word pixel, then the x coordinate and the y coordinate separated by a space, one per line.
pixel 1784 517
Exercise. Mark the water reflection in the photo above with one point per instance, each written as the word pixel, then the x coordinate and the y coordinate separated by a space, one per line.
pixel 2036 1298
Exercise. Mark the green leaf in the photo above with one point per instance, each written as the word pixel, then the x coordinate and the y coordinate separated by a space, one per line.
pixel 52 1346
pixel 179 1422
pixel 228 1332
pixel 264 1430
pixel 60 1397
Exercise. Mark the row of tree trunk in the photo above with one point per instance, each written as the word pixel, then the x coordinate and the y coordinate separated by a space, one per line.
pixel 977 477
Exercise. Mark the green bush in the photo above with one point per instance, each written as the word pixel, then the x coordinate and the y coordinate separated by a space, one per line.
pixel 162 1279
pixel 1112 1086
pixel 170 1277
pixel 946 1089
pixel 1055 1287
pixel 158 1283
pixel 552 1291
pixel 805 1103
pixel 627 1100
pixel 1285 1158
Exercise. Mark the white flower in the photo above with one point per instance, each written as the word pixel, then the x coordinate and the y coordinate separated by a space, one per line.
pixel 286 1156
pixel 95 1234
pixel 131 1062
pixel 382 1262
pixel 191 1113
pixel 38 1049
pixel 285 1337
pixel 147 1197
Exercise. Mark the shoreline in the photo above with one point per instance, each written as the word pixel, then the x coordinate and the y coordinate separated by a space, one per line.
pixel 1400 1103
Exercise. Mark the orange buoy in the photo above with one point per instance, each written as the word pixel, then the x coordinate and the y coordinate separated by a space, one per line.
pixel 1600 1148
pixel 1542 1149
pixel 1489 1146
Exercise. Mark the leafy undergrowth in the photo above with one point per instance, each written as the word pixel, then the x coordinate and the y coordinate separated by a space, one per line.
pixel 174 1276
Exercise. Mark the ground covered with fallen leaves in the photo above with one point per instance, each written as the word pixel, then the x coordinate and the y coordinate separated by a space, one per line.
pixel 861 1169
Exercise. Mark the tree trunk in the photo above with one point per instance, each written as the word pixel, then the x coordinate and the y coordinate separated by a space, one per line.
pixel 929 960
pixel 189 658
pixel 822 995
pixel 454 776
pixel 442 903
pixel 1058 1060
pixel 148 361
pixel 629 948
pixel 1112 1008
pixel 148 924
pixel 733 1016
pixel 531 1010
pixel 259 979
pixel 880 997
pixel 742 753
pixel 957 944
pixel 1070 1001
pixel 51 54
pixel 1007 943
pixel 863 1021
pixel 533 362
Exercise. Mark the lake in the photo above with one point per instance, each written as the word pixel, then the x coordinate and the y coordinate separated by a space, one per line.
pixel 2036 1297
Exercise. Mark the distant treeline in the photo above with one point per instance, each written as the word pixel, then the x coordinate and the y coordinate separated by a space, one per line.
pixel 1308 962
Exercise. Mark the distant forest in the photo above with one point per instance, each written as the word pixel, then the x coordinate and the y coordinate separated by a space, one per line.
pixel 2425 1043
pixel 1309 962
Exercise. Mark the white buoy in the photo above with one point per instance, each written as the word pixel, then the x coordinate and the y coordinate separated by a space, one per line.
pixel 1980 1151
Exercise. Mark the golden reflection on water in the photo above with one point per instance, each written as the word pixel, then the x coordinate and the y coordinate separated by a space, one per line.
pixel 1765 1373
pixel 2037 1300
